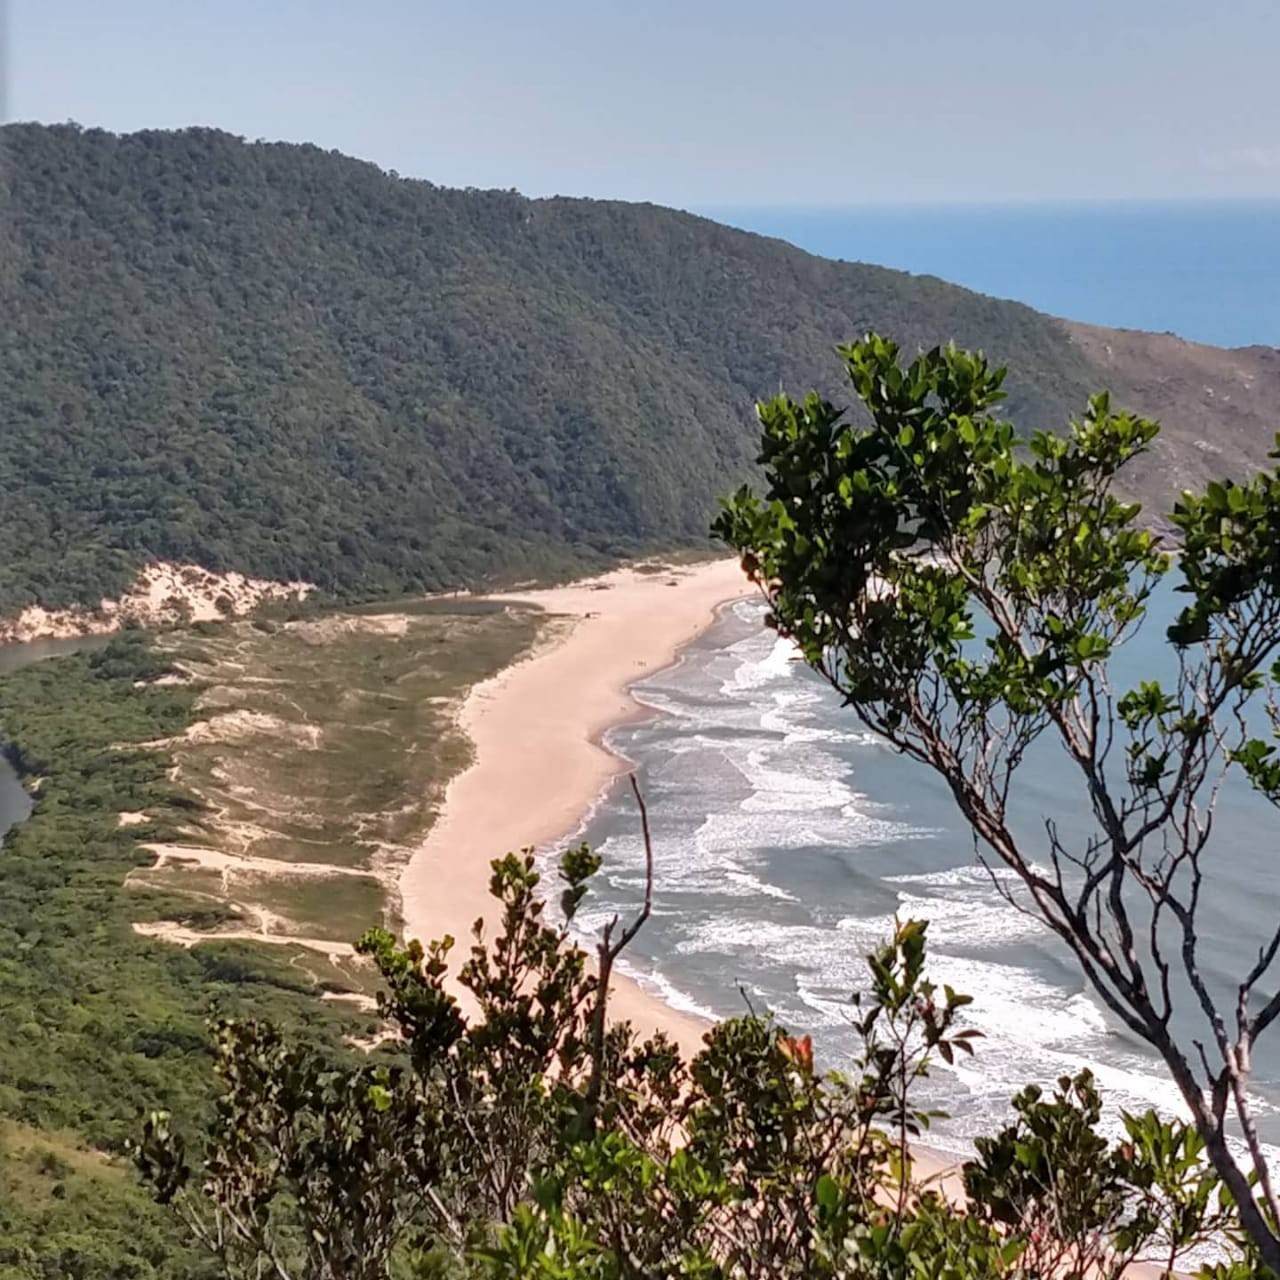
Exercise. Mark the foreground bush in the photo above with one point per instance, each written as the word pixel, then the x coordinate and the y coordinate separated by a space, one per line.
pixel 538 1140
pixel 965 590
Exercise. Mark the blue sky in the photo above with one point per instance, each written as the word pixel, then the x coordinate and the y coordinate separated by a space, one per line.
pixel 697 102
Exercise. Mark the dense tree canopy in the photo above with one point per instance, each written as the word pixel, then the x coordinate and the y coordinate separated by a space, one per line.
pixel 280 360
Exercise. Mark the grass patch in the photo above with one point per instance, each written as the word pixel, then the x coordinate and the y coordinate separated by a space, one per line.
pixel 334 908
pixel 183 879
pixel 68 1210
pixel 331 740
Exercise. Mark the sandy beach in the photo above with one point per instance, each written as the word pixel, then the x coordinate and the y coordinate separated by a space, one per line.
pixel 536 732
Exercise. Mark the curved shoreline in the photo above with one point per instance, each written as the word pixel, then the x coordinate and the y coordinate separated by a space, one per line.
pixel 540 761
pixel 537 730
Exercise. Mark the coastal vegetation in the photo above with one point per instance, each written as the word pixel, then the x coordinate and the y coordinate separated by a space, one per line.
pixel 965 590
pixel 344 743
pixel 277 360
pixel 95 1017
pixel 539 1141
pixel 318 758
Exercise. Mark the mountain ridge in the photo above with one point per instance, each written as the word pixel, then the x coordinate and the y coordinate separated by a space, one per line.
pixel 272 359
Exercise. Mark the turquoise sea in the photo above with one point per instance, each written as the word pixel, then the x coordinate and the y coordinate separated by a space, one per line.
pixel 788 837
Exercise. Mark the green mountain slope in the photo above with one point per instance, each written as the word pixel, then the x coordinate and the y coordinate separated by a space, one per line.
pixel 280 360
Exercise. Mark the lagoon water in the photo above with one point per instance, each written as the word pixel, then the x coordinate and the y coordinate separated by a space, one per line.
pixel 15 804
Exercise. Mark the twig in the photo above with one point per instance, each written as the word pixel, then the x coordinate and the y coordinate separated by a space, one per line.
pixel 608 952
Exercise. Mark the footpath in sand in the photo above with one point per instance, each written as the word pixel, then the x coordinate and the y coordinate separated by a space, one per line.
pixel 538 761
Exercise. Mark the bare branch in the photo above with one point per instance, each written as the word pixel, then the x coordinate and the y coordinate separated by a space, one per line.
pixel 607 952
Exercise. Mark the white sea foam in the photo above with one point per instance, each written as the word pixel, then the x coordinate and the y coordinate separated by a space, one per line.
pixel 753 672
pixel 969 920
pixel 803 781
pixel 753 885
pixel 968 876
pixel 753 776
pixel 657 982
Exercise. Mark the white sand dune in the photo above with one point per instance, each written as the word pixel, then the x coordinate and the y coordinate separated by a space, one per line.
pixel 161 593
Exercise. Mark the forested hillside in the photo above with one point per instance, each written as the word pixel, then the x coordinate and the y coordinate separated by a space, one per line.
pixel 280 360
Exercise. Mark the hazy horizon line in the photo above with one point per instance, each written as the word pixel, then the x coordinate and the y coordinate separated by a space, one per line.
pixel 1011 202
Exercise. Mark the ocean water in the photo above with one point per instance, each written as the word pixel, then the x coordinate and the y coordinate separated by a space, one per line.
pixel 1207 271
pixel 787 838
